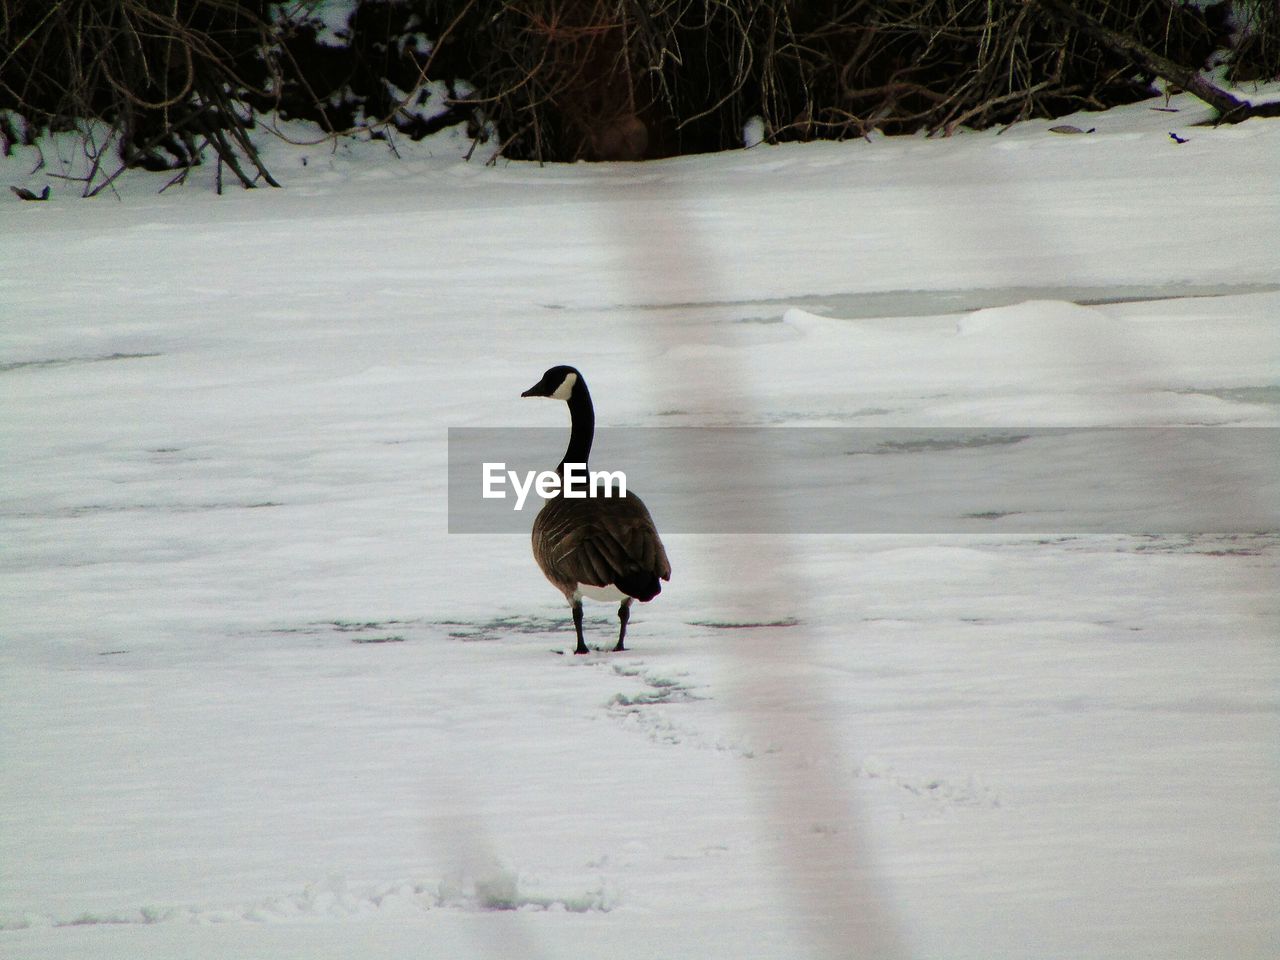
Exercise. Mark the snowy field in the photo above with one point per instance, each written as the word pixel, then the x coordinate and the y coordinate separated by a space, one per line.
pixel 257 702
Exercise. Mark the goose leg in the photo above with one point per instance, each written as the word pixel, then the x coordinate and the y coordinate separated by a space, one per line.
pixel 624 614
pixel 577 626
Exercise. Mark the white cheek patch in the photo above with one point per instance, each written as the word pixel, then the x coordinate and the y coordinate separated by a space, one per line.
pixel 566 388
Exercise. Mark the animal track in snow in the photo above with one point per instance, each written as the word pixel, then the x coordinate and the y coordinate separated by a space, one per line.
pixel 943 793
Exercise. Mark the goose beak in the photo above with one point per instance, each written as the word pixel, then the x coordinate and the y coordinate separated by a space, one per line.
pixel 530 392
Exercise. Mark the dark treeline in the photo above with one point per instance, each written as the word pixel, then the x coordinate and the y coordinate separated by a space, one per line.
pixel 599 79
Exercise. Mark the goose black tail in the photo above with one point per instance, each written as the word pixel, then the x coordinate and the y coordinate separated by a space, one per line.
pixel 642 586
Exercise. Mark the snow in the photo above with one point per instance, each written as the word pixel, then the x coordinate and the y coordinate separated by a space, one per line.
pixel 331 19
pixel 257 701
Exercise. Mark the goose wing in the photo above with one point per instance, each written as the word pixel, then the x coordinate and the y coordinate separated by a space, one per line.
pixel 600 541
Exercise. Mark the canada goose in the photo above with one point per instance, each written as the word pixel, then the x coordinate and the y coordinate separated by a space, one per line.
pixel 604 548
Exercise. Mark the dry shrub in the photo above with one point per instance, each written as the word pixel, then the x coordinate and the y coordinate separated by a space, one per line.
pixel 598 79
pixel 564 79
pixel 1255 29
pixel 163 74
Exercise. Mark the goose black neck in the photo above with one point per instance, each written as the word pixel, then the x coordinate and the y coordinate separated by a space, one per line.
pixel 582 416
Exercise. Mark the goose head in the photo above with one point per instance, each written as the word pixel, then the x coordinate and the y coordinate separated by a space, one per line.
pixel 558 383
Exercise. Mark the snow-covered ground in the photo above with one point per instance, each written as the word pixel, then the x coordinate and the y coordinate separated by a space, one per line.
pixel 256 701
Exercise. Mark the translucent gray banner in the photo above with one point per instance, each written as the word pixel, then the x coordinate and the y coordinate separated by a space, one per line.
pixel 895 480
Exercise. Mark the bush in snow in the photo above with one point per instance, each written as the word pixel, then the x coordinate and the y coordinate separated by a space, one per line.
pixel 594 79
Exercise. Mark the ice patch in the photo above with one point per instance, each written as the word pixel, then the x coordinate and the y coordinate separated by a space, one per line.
pixel 1047 322
pixel 501 887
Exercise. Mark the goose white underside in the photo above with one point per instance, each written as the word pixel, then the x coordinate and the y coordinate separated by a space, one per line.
pixel 608 593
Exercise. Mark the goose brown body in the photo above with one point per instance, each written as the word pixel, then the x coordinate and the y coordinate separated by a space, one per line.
pixel 600 542
pixel 604 546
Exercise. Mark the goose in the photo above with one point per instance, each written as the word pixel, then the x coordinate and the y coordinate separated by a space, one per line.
pixel 603 548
